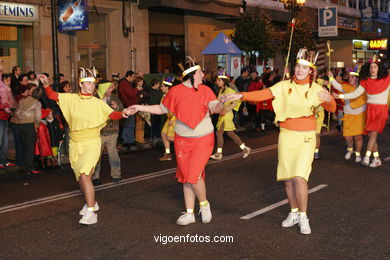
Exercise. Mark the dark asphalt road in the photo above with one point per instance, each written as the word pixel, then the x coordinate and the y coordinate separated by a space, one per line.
pixel 349 217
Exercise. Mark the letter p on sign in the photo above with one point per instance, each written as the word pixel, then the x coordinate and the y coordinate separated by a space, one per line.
pixel 328 14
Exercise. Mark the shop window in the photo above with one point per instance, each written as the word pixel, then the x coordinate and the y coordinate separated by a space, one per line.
pixel 384 6
pixel 165 52
pixel 8 33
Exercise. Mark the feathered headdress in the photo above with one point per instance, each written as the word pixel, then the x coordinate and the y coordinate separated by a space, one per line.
pixel 193 67
pixel 307 58
pixel 87 74
pixel 168 81
pixel 222 75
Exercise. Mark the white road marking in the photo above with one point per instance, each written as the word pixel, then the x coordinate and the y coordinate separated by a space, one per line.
pixel 280 203
pixel 106 186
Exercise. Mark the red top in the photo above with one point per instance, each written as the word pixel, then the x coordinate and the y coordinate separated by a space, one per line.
pixel 127 94
pixel 375 86
pixel 187 104
pixel 115 115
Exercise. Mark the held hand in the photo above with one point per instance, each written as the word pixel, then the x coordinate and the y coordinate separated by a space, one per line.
pixel 330 74
pixel 230 97
pixel 42 78
pixel 124 113
pixel 324 95
pixel 335 95
pixel 131 110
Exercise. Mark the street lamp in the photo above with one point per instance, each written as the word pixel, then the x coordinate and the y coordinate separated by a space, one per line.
pixel 292 6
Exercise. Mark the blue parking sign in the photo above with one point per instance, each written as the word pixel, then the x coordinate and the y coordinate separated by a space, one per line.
pixel 327 21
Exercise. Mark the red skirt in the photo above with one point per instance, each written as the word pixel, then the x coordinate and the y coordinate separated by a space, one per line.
pixel 376 117
pixel 192 155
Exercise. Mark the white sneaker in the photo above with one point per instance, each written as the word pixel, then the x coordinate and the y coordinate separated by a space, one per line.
pixel 85 207
pixel 303 223
pixel 376 162
pixel 366 161
pixel 186 219
pixel 89 218
pixel 291 220
pixel 206 213
pixel 358 159
pixel 348 155
pixel 247 150
pixel 216 156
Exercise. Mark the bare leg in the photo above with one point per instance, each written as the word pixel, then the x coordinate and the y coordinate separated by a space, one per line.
pixel 318 141
pixel 199 189
pixel 189 196
pixel 220 132
pixel 301 193
pixel 86 186
pixel 372 145
pixel 236 139
pixel 349 141
pixel 358 143
pixel 165 140
pixel 290 192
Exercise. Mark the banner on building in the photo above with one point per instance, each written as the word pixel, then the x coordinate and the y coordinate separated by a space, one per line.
pixel 72 15
pixel 18 12
pixel 327 21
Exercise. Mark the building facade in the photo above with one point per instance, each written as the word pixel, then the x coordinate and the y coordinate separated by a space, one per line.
pixel 142 35
pixel 363 28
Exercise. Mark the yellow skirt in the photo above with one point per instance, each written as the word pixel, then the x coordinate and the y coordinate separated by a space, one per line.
pixel 227 119
pixel 168 129
pixel 295 154
pixel 354 124
pixel 84 150
pixel 320 121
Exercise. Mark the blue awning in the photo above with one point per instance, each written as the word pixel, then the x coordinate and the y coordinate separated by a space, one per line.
pixel 222 45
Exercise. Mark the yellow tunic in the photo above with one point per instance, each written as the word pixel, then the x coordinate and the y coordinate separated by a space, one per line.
pixel 295 148
pixel 169 126
pixel 227 118
pixel 86 116
pixel 320 115
pixel 354 124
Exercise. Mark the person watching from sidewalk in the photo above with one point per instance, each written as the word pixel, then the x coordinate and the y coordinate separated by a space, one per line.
pixel 155 96
pixel 168 130
pixel 375 82
pixel 109 134
pixel 7 104
pixel 354 119
pixel 192 103
pixel 86 116
pixel 128 95
pixel 294 102
pixel 26 120
pixel 225 120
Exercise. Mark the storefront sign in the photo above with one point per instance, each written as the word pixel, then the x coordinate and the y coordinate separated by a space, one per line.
pixel 327 21
pixel 19 12
pixel 72 15
pixel 378 44
pixel 347 23
pixel 358 45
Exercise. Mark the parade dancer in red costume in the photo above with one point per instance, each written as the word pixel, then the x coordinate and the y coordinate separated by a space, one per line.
pixel 375 82
pixel 191 103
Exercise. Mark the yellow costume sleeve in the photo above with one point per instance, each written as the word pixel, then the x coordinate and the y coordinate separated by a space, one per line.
pixel 83 112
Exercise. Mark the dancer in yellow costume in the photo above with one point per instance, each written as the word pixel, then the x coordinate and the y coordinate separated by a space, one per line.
pixel 294 102
pixel 168 130
pixel 354 119
pixel 225 120
pixel 86 116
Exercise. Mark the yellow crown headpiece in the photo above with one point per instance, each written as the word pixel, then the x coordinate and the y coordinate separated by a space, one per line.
pixel 222 75
pixel 308 58
pixel 87 74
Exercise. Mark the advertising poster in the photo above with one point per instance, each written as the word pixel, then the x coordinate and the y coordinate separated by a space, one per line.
pixel 235 66
pixel 72 15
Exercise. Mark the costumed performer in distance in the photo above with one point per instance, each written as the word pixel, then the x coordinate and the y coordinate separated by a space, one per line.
pixel 86 116
pixel 225 119
pixel 354 119
pixel 192 103
pixel 375 82
pixel 295 102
